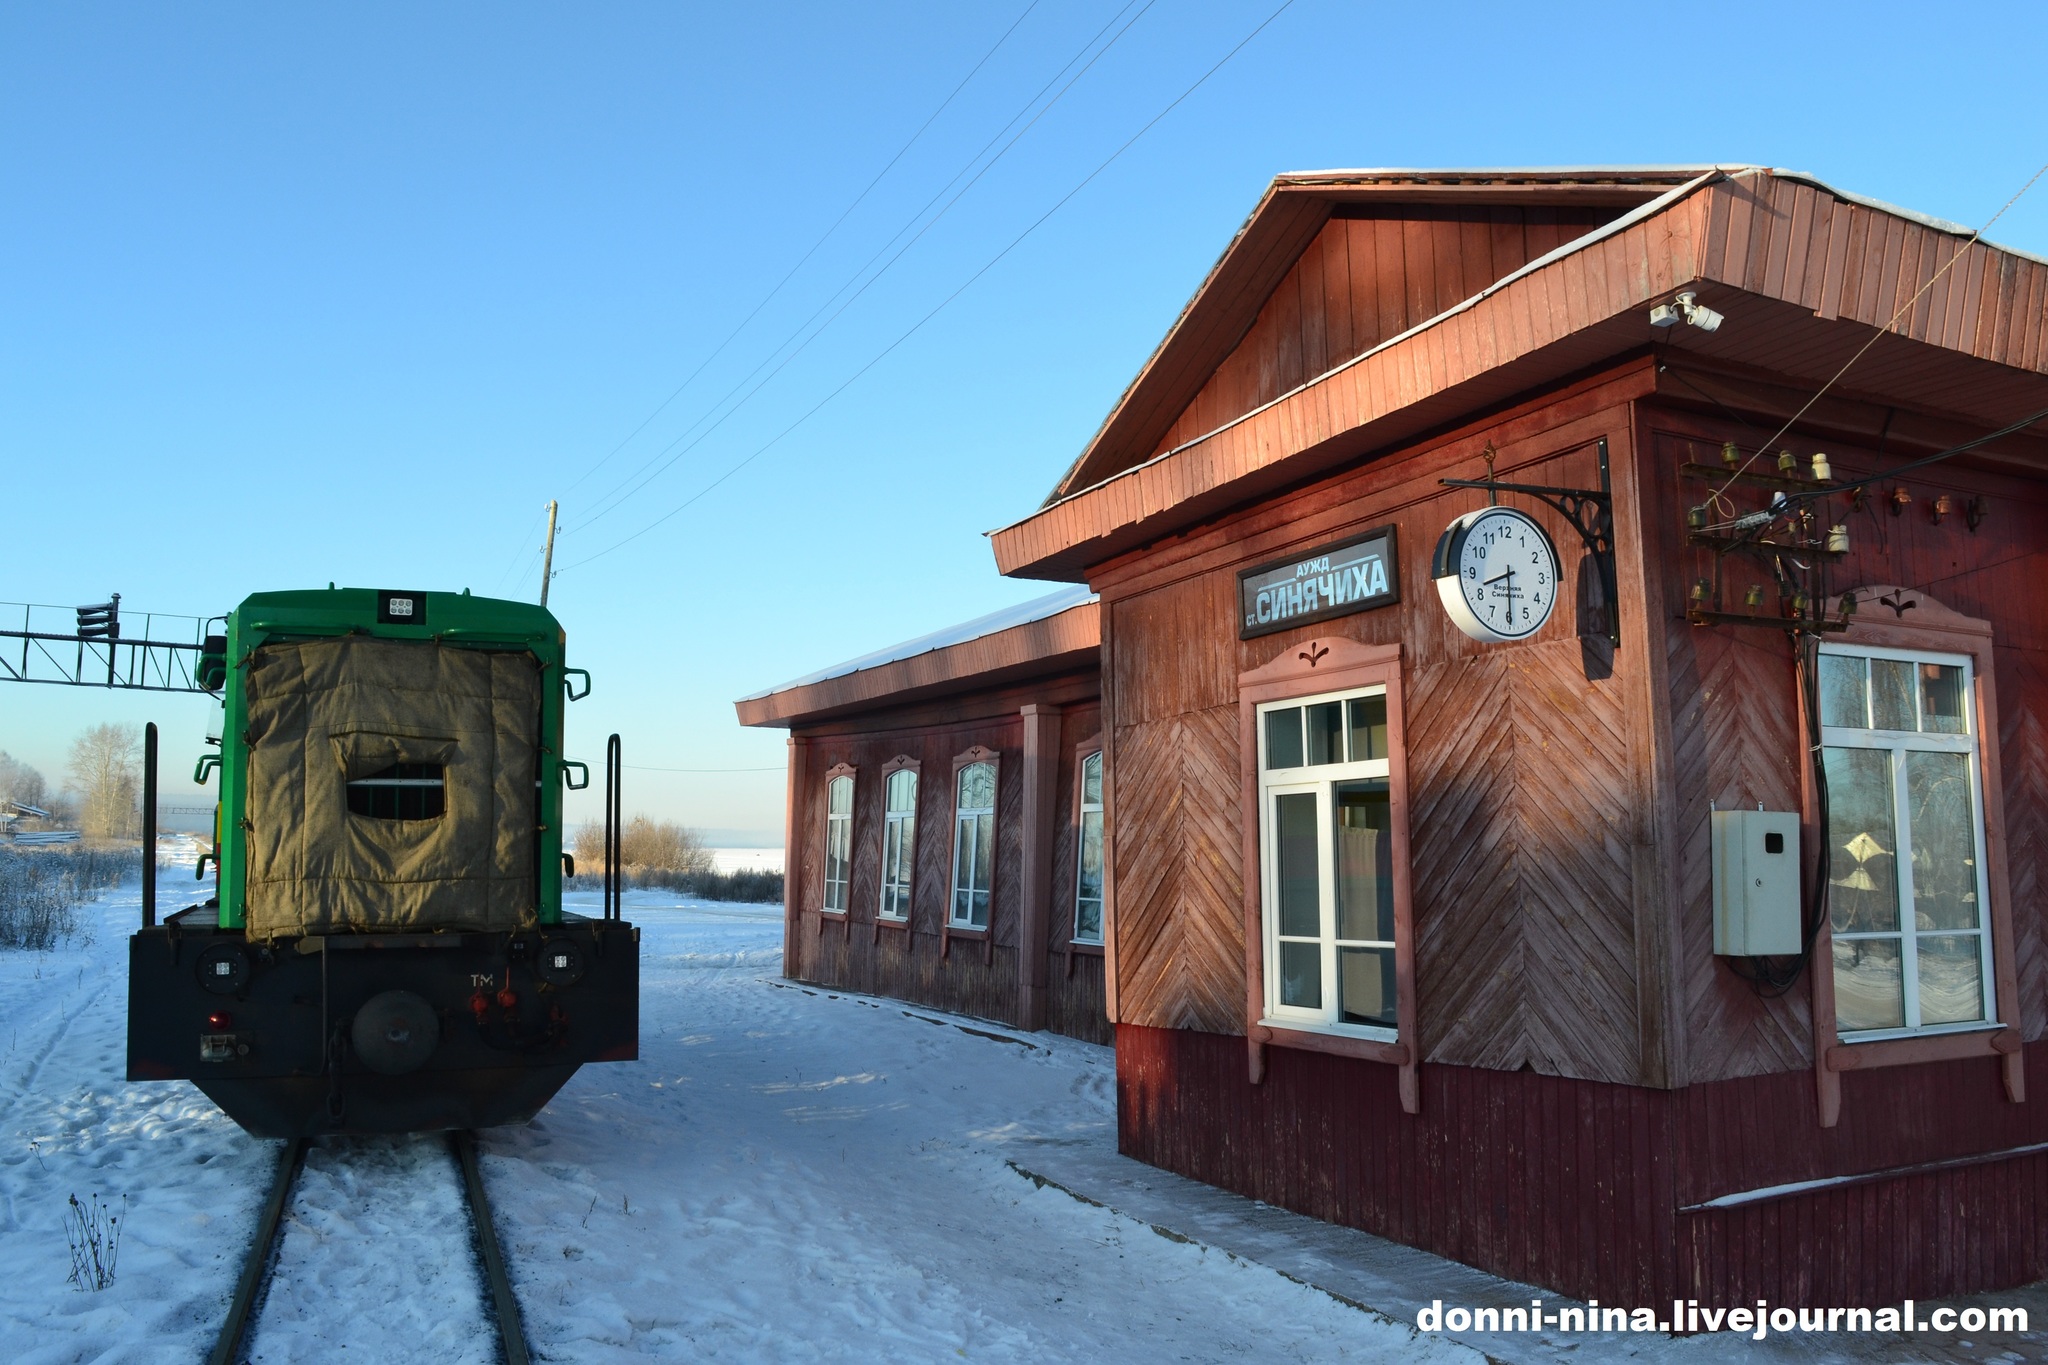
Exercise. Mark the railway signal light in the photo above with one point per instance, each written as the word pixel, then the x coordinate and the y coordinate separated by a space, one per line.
pixel 102 622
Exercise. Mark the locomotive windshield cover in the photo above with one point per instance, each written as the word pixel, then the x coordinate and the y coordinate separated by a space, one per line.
pixel 391 786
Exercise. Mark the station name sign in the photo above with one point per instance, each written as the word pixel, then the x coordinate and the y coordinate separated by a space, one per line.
pixel 1353 575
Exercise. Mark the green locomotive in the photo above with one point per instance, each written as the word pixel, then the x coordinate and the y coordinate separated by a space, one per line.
pixel 388 950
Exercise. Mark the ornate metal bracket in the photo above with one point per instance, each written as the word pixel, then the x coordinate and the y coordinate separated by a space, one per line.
pixel 1589 510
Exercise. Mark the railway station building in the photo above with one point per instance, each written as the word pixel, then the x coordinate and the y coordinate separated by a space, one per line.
pixel 1552 679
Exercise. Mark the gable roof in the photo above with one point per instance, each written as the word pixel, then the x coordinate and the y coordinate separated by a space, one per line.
pixel 1798 262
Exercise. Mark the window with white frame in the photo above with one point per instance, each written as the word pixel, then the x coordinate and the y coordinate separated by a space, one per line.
pixel 899 842
pixel 1088 859
pixel 838 841
pixel 1326 862
pixel 1907 905
pixel 974 845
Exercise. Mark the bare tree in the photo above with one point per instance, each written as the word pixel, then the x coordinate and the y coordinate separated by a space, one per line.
pixel 20 782
pixel 103 772
pixel 651 845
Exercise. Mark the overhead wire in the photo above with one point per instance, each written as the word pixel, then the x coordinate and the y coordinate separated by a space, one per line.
pixel 619 493
pixel 824 237
pixel 519 557
pixel 917 326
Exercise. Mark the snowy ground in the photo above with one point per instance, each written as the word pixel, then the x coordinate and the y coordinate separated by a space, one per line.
pixel 783 1175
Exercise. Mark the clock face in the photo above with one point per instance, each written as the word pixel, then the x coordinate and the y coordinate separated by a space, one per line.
pixel 1497 574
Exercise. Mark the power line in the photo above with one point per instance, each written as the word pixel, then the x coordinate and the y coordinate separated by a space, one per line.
pixel 618 494
pixel 1904 308
pixel 943 303
pixel 858 199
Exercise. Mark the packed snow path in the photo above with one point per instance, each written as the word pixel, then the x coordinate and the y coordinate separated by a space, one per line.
pixel 783 1175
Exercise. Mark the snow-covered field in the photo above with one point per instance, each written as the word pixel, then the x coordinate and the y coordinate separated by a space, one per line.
pixel 784 1175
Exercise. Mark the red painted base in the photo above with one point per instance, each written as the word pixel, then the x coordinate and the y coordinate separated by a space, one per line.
pixel 1595 1190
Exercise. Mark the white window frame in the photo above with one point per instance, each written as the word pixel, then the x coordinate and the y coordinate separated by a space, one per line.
pixel 838 834
pixel 895 823
pixel 1321 780
pixel 961 814
pixel 1898 743
pixel 1086 809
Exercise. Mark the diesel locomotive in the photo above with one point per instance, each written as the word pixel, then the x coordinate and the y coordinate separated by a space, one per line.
pixel 387 951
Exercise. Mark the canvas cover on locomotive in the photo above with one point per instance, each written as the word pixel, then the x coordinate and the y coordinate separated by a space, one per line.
pixel 323 713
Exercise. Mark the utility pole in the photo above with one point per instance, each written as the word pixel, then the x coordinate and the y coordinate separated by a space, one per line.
pixel 547 561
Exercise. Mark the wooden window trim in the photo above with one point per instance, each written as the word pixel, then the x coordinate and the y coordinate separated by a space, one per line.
pixel 947 931
pixel 1083 947
pixel 1329 663
pixel 1932 628
pixel 844 918
pixel 900 763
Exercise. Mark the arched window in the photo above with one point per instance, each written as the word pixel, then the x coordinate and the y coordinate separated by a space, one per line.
pixel 1088 862
pixel 838 842
pixel 899 843
pixel 974 845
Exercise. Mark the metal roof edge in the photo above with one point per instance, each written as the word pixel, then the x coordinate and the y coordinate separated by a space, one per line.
pixel 995 622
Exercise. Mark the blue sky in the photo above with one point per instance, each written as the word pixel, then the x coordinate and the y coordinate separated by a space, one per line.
pixel 299 294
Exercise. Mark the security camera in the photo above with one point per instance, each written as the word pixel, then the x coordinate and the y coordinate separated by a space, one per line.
pixel 1688 309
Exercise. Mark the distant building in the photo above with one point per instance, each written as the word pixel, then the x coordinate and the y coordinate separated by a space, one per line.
pixel 1636 888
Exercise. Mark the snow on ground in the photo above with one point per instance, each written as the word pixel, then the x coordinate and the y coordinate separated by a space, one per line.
pixel 785 1174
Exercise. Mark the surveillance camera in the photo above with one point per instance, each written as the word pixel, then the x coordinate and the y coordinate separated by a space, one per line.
pixel 1685 308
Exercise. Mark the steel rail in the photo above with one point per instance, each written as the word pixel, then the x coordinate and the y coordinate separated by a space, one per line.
pixel 228 1347
pixel 511 1329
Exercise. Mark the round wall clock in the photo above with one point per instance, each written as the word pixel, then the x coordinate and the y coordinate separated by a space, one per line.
pixel 1497 573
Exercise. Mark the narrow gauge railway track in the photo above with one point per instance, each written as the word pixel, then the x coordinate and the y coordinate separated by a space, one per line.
pixel 231 1346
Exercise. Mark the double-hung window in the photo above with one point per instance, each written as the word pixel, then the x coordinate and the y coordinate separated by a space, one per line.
pixel 899 842
pixel 974 845
pixel 838 842
pixel 1088 859
pixel 1327 862
pixel 1907 898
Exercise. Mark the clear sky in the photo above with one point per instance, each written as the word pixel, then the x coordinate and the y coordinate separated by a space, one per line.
pixel 292 294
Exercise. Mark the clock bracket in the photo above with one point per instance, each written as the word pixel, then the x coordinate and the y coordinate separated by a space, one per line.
pixel 1589 510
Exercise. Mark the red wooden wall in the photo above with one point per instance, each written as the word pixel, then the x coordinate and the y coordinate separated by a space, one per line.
pixel 914 964
pixel 1581 1186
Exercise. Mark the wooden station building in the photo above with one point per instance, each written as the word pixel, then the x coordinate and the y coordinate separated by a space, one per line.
pixel 1570 678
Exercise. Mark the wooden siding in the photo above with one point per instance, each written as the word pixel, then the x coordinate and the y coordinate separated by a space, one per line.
pixel 1587 1188
pixel 1733 702
pixel 1528 813
pixel 1370 274
pixel 1288 217
pixel 913 964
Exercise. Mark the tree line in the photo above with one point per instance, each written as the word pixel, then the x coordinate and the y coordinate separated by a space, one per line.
pixel 104 798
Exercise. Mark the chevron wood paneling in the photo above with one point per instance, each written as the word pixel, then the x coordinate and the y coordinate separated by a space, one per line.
pixel 2023 761
pixel 1180 932
pixel 1522 867
pixel 1734 723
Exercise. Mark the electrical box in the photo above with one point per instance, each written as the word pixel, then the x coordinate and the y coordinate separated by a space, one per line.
pixel 1756 883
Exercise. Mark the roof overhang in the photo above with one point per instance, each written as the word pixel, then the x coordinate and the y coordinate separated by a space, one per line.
pixel 1062 639
pixel 1803 274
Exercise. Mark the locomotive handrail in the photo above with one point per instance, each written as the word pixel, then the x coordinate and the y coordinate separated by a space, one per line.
pixel 583 768
pixel 573 694
pixel 203 769
pixel 149 825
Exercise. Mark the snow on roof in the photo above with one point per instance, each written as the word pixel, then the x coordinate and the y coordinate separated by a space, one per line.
pixel 1023 614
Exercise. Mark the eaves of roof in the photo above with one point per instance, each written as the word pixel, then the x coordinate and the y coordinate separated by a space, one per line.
pixel 1786 238
pixel 1052 634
